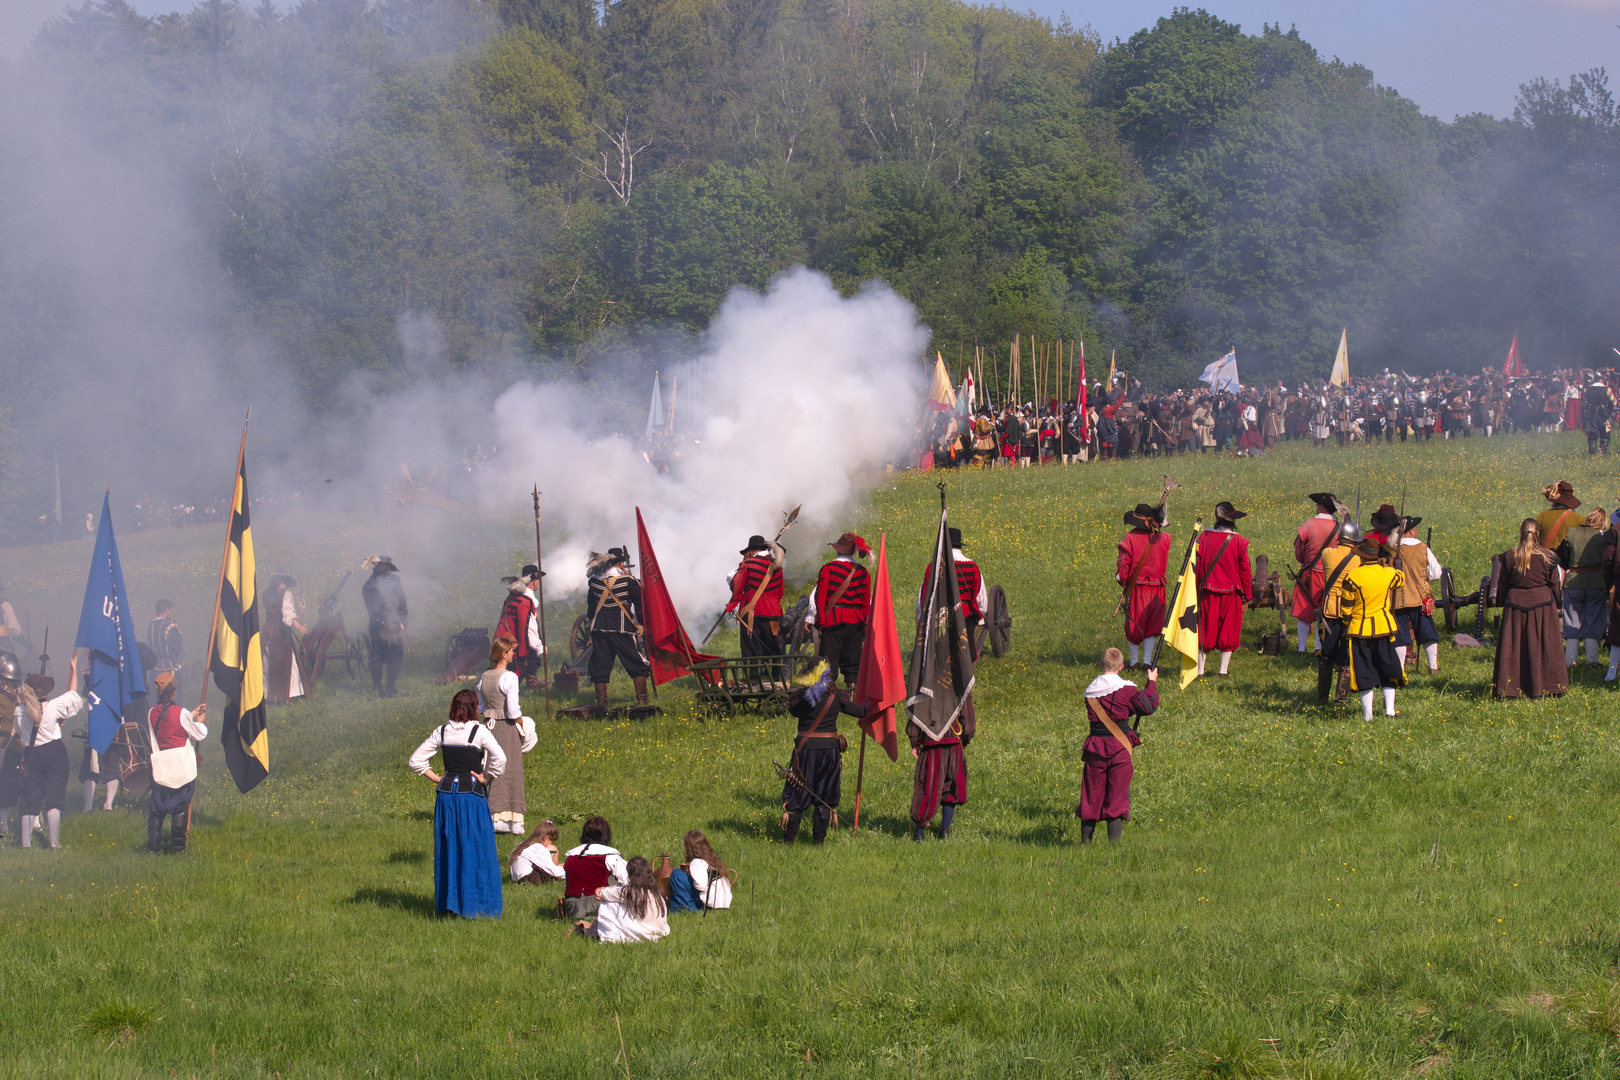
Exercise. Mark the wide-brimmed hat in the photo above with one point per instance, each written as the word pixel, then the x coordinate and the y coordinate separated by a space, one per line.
pixel 528 573
pixel 1409 524
pixel 1385 517
pixel 1561 494
pixel 1225 511
pixel 955 535
pixel 755 543
pixel 379 562
pixel 1142 517
pixel 285 579
pixel 1369 548
pixel 1326 500
pixel 41 685
pixel 849 543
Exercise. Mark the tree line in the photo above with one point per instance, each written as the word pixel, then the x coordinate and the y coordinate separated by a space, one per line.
pixel 541 176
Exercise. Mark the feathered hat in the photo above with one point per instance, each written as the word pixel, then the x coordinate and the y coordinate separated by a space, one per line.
pixel 851 543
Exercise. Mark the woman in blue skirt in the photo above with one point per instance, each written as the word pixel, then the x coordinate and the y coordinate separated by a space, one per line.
pixel 466 868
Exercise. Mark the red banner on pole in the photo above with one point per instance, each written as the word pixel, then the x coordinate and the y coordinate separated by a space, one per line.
pixel 882 682
pixel 668 648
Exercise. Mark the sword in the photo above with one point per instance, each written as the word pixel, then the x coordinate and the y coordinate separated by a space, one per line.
pixel 792 777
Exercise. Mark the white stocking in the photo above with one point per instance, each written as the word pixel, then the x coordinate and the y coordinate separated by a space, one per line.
pixel 1400 651
pixel 1300 627
pixel 1366 705
pixel 1432 651
pixel 1570 645
pixel 28 830
pixel 1389 701
pixel 1226 660
pixel 1614 670
pixel 53 821
pixel 112 793
pixel 1135 650
pixel 1150 646
pixel 1201 655
pixel 89 795
pixel 1591 650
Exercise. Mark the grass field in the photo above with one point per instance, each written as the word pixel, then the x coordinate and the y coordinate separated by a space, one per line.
pixel 1298 894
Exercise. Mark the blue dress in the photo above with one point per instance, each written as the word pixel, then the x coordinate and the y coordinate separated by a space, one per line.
pixel 466 866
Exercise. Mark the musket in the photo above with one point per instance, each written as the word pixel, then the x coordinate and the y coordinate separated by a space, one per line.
pixel 787 523
pixel 45 652
pixel 1358 506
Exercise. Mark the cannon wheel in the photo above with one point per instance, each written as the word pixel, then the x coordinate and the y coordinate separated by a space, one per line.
pixel 356 655
pixel 579 639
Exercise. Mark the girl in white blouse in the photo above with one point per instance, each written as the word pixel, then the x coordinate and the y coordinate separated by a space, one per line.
pixel 634 911
pixel 466 867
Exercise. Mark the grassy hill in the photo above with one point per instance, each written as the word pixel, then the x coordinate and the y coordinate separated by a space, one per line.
pixel 1298 894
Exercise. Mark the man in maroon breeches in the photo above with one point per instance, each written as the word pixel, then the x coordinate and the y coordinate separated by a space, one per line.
pixel 1105 791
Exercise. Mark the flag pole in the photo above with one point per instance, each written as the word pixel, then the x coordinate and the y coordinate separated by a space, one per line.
pixel 860 774
pixel 224 560
pixel 540 589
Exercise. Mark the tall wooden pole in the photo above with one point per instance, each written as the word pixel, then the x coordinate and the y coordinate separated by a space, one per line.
pixel 540 593
pixel 860 774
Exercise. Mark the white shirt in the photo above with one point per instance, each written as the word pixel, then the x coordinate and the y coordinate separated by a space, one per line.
pixel 714 889
pixel 51 714
pixel 532 858
pixel 457 735
pixel 615 924
pixel 616 867
pixel 1434 564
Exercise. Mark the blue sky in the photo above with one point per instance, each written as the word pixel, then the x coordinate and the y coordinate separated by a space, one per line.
pixel 1450 56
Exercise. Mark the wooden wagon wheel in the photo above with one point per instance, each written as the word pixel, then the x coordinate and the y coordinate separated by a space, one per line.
pixel 774 704
pixel 579 639
pixel 356 655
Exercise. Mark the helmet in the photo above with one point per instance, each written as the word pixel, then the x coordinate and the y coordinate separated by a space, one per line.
pixel 10 668
pixel 1350 531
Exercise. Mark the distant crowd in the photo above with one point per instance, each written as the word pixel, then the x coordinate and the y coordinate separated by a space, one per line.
pixel 1127 421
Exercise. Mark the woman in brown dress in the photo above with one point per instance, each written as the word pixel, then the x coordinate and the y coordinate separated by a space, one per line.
pixel 1529 656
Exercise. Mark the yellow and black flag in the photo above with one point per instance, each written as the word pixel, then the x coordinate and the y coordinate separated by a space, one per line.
pixel 235 657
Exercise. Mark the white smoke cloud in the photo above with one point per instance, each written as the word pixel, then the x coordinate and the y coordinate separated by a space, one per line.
pixel 806 396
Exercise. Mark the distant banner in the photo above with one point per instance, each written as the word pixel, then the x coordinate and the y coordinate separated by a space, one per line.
pixel 1223 374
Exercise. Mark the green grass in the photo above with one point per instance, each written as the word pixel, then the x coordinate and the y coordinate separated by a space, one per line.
pixel 1298 894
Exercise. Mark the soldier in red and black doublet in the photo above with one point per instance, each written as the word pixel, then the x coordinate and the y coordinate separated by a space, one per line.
pixel 969 586
pixel 1105 789
pixel 1144 555
pixel 1225 583
pixel 1315 536
pixel 613 601
pixel 518 621
pixel 838 606
pixel 817 761
pixel 756 599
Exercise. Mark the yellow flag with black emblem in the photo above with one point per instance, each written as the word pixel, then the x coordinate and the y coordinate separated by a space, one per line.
pixel 234 654
pixel 1181 627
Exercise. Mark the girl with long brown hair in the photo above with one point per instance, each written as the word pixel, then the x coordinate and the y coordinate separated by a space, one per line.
pixel 634 911
pixel 1529 588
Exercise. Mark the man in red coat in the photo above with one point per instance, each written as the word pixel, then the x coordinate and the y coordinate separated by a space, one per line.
pixel 1144 552
pixel 1315 536
pixel 756 598
pixel 1225 581
pixel 838 606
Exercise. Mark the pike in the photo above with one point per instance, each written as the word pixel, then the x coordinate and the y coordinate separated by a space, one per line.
pixel 540 592
pixel 787 523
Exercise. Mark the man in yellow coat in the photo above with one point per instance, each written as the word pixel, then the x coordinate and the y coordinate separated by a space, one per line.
pixel 1369 611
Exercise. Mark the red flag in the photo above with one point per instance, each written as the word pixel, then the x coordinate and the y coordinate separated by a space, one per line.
pixel 882 682
pixel 668 647
pixel 1513 367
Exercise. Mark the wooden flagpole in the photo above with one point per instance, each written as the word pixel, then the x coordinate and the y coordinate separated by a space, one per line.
pixel 224 560
pixel 540 592
pixel 860 774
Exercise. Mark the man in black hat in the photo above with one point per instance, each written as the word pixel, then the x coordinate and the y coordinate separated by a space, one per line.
pixel 1315 536
pixel 1369 593
pixel 613 602
pixel 1225 583
pixel 756 598
pixel 520 622
pixel 1384 523
pixel 1333 649
pixel 385 603
pixel 1144 555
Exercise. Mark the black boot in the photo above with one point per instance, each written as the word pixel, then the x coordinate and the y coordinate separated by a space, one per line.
pixel 1116 829
pixel 818 832
pixel 946 813
pixel 640 684
pixel 1087 828
pixel 790 828
pixel 393 673
pixel 601 699
pixel 154 832
pixel 376 679
pixel 179 827
pixel 1324 682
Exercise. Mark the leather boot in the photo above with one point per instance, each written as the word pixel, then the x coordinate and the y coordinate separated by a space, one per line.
pixel 1324 683
pixel 790 828
pixel 601 698
pixel 641 690
pixel 1344 685
pixel 1116 829
pixel 154 833
pixel 818 832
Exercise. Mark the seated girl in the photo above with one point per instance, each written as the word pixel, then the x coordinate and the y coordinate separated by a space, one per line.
pixel 536 860
pixel 702 882
pixel 592 865
pixel 634 911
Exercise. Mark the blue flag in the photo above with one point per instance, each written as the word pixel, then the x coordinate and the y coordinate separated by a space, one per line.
pixel 1222 374
pixel 106 629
